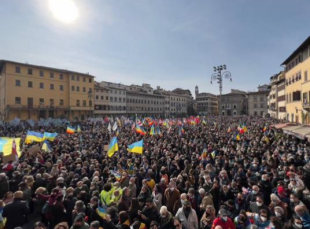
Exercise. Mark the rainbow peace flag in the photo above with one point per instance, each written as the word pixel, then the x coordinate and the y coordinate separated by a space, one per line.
pixel 70 130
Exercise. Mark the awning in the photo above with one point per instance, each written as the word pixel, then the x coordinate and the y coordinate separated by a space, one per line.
pixel 282 125
pixel 300 132
pixel 288 129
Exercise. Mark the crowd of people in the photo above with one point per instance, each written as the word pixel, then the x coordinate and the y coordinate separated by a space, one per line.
pixel 207 176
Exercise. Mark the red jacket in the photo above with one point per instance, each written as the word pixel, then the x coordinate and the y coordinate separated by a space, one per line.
pixel 225 225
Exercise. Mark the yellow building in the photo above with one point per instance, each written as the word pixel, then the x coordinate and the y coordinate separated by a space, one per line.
pixel 33 92
pixel 297 81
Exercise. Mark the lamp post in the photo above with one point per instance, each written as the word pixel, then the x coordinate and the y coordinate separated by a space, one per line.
pixel 220 72
pixel 90 96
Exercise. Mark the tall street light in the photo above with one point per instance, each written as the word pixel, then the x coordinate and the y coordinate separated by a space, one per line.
pixel 220 72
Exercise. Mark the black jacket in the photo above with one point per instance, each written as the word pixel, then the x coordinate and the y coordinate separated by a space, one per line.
pixel 15 213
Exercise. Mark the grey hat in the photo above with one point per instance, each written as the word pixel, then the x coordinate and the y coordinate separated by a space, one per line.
pixel 95 224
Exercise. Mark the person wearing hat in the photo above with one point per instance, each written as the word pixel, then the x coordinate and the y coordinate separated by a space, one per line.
pixel 16 212
pixel 188 216
pixel 223 220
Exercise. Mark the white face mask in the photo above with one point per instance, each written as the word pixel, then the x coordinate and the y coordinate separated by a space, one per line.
pixel 264 219
pixel 171 189
pixel 277 214
pixel 224 218
pixel 298 225
pixel 259 204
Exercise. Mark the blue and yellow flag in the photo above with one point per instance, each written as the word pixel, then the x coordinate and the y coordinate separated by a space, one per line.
pixel 152 132
pixel 113 147
pixel 101 212
pixel 49 136
pixel 34 136
pixel 6 145
pixel 78 129
pixel 46 147
pixel 136 147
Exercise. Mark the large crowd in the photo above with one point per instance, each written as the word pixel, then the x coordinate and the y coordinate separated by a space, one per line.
pixel 243 174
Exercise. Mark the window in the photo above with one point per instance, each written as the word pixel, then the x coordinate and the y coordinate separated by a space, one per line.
pixel 84 89
pixel 17 69
pixel 84 103
pixel 90 103
pixel 41 101
pixel 29 83
pixel 29 71
pixel 97 97
pixel 72 77
pixel 77 78
pixel 90 90
pixel 17 100
pixel 77 103
pixel 17 83
pixel 77 88
pixel 52 86
pixel 111 99
pixel 51 102
pixel 255 105
pixel 72 88
pixel 61 87
pixel 261 105
pixel 61 102
pixel 296 96
pixel 41 73
pixel 101 97
pixel 255 113
pixel 61 76
pixel 41 85
pixel 306 76
pixel 107 97
pixel 120 100
pixel 84 79
pixel 52 75
pixel 89 80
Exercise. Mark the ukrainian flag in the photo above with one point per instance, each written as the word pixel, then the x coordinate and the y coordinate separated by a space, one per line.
pixel 46 146
pixel 34 136
pixel 6 145
pixel 101 211
pixel 152 132
pixel 70 130
pixel 136 147
pixel 49 136
pixel 78 129
pixel 113 147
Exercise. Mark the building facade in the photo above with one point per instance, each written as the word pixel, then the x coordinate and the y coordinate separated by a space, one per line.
pixel 234 103
pixel 272 97
pixel 102 100
pixel 281 103
pixel 297 84
pixel 33 92
pixel 257 103
pixel 144 100
pixel 207 104
pixel 189 99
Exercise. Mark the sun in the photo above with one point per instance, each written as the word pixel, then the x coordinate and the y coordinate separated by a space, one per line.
pixel 64 10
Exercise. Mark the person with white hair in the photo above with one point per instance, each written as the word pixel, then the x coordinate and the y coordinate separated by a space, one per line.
pixel 165 218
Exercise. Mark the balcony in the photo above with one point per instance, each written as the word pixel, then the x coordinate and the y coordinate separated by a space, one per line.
pixel 306 105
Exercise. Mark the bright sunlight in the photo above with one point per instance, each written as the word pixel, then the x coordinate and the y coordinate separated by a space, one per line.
pixel 64 10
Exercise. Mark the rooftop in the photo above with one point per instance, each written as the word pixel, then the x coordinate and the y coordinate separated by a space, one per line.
pixel 2 63
pixel 300 48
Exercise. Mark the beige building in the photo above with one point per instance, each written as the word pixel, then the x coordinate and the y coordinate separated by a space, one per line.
pixel 257 102
pixel 281 103
pixel 207 104
pixel 175 104
pixel 32 92
pixel 297 84
pixel 144 100
pixel 273 96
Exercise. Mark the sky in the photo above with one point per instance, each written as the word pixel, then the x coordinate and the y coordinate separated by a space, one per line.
pixel 166 43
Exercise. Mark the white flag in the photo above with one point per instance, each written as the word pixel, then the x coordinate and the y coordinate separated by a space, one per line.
pixel 114 128
pixel 109 128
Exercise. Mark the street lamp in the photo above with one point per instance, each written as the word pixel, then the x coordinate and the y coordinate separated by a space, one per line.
pixel 90 96
pixel 220 72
